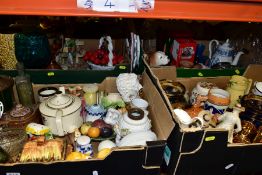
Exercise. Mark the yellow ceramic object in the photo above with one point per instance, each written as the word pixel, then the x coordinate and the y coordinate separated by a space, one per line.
pixel 90 94
pixel 77 156
pixel 7 51
pixel 238 87
pixel 37 129
pixel 103 153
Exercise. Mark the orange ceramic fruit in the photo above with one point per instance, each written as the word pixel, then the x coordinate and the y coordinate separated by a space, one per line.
pixel 93 132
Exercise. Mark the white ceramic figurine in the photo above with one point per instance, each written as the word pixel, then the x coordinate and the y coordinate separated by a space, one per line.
pixel 229 120
pixel 158 59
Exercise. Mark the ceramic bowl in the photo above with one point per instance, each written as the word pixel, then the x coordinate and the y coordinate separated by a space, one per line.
pixel 106 144
pixel 46 92
pixel 258 88
pixel 95 112
pixel 218 97
pixel 139 103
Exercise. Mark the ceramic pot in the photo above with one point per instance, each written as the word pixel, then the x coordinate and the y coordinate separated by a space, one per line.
pixel 83 145
pixel 135 120
pixel 95 112
pixel 218 101
pixel 61 113
pixel 252 102
pixel 202 88
pixel 247 133
pixel 90 94
pixel 20 116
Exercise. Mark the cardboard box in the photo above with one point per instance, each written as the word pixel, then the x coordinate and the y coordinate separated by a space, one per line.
pixel 123 160
pixel 205 151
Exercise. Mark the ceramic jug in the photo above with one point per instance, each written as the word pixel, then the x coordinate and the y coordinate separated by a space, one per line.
pixel 238 87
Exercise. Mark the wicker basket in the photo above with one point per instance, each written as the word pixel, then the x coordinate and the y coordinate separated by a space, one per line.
pixel 12 141
pixel 99 67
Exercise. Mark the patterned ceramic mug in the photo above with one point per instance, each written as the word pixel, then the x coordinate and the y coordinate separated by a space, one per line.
pixel 84 146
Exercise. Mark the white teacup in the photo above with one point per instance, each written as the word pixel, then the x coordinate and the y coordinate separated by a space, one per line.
pixel 139 103
pixel 258 88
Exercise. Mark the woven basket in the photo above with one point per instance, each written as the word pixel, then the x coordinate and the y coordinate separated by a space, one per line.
pixel 99 67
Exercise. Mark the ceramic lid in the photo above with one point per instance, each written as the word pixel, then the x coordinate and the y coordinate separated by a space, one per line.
pixel 226 46
pixel 20 111
pixel 95 110
pixel 90 88
pixel 83 140
pixel 62 102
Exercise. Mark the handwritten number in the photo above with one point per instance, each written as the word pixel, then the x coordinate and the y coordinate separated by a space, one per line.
pixel 108 5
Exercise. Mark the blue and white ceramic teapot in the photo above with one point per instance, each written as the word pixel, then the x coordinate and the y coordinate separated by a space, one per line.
pixel 223 53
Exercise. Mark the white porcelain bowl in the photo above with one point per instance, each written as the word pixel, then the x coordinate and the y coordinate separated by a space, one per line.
pixel 258 88
pixel 139 103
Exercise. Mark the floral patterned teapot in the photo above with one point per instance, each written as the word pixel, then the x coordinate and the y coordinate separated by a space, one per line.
pixel 223 53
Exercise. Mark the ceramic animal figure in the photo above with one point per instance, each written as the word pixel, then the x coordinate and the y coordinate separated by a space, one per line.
pixel 204 119
pixel 77 133
pixel 112 116
pixel 196 108
pixel 158 59
pixel 128 86
pixel 229 120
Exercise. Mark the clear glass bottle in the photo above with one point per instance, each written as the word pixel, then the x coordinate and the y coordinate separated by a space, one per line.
pixel 24 86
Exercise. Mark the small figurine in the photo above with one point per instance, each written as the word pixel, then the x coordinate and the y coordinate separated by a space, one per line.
pixel 158 59
pixel 128 86
pixel 112 116
pixel 77 133
pixel 196 108
pixel 229 120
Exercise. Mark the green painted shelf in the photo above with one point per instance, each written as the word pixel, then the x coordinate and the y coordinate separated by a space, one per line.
pixel 93 76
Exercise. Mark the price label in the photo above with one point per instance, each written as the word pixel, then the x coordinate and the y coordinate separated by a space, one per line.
pixel 114 5
pixel 210 138
pixel 237 71
pixel 122 67
pixel 50 74
pixel 105 5
pixel 87 4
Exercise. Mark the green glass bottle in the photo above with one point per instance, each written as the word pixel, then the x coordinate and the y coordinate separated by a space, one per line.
pixel 24 86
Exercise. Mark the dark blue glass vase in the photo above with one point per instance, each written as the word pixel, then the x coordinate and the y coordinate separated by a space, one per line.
pixel 33 50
